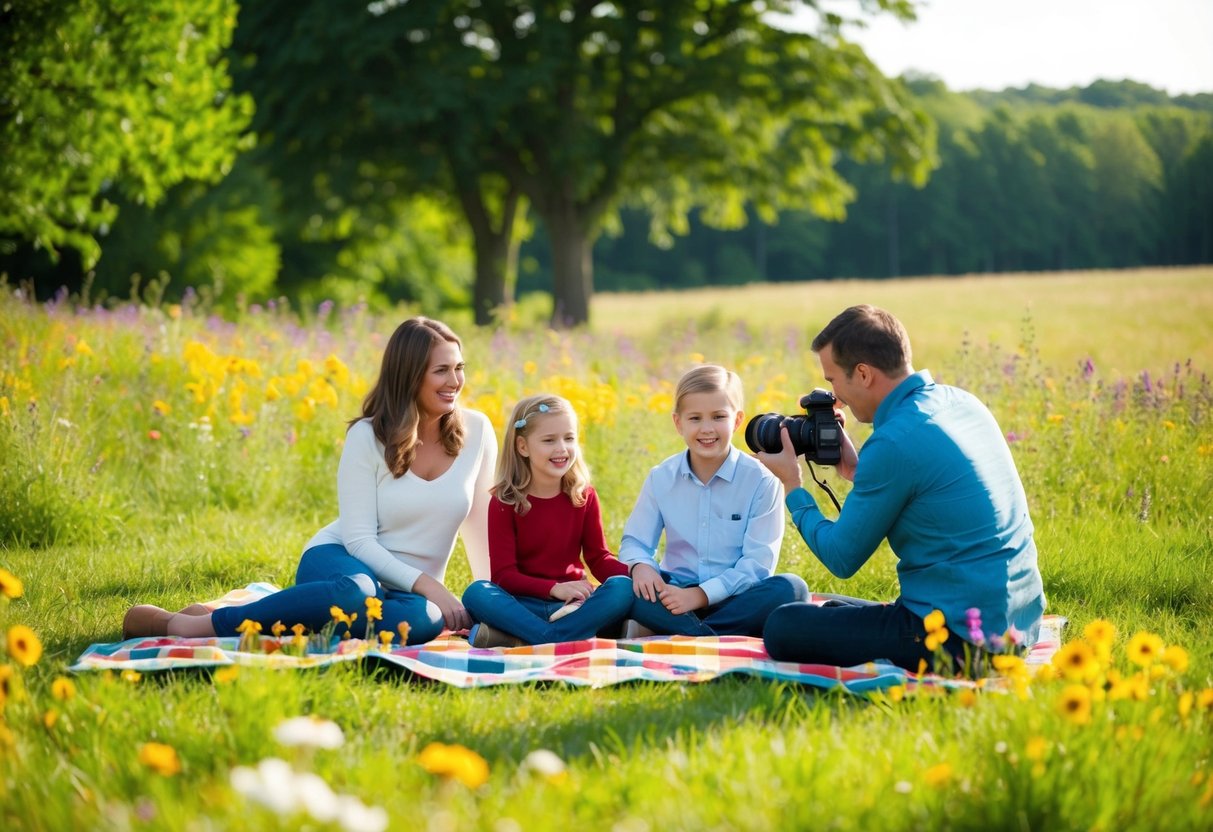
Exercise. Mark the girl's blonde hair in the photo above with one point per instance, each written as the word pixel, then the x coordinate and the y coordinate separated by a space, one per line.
pixel 514 470
pixel 710 378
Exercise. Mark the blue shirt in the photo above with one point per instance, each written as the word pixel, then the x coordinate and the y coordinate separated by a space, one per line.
pixel 722 536
pixel 937 479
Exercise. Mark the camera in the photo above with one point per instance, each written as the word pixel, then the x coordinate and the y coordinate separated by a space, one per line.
pixel 817 435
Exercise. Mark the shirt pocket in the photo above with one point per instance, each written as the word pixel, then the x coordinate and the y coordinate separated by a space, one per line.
pixel 728 531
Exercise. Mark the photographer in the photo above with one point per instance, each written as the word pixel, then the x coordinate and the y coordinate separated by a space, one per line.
pixel 937 479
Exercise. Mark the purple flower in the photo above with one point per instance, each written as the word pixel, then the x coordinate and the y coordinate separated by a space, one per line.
pixel 1145 381
pixel 1013 437
pixel 1088 368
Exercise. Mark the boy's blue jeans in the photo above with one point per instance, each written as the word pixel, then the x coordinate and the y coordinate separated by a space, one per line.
pixel 329 576
pixel 527 617
pixel 743 614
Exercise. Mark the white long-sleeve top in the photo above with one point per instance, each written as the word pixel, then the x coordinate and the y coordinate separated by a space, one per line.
pixel 403 527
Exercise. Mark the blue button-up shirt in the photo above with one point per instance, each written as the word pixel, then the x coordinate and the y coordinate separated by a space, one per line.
pixel 722 536
pixel 937 479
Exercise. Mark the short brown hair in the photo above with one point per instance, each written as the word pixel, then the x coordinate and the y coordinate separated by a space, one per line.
pixel 866 335
pixel 710 378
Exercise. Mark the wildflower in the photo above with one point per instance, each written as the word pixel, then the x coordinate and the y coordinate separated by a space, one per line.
pixel 374 609
pixel 897 692
pixel 227 674
pixel 1204 699
pixel 1075 704
pixel 163 408
pixel 934 621
pixel 456 762
pixel 8 684
pixel 82 348
pixel 1036 748
pixel 309 731
pixel 545 764
pixel 1056 418
pixel 271 784
pixel 529 368
pixel 1076 661
pixel 973 622
pixel 278 629
pixel 63 689
pixel 937 776
pixel 1144 649
pixel 249 627
pixel 23 645
pixel 339 615
pixel 1176 658
pixel 385 638
pixel 10 584
pixel 403 629
pixel 153 434
pixel 160 758
pixel 298 629
pixel 966 698
pixel 1185 703
pixel 49 718
pixel 1099 632
pixel 132 676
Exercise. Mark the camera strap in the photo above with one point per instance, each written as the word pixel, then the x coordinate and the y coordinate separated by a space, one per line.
pixel 824 485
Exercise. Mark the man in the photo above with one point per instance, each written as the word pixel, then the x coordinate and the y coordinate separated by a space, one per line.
pixel 937 479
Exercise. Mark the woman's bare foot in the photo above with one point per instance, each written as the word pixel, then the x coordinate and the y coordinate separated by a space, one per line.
pixel 145 620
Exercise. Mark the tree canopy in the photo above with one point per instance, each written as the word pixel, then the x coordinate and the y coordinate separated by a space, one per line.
pixel 109 99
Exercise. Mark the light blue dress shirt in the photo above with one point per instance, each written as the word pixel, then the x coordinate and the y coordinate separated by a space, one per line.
pixel 937 479
pixel 722 536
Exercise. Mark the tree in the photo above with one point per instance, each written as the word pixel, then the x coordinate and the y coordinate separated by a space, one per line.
pixel 579 107
pixel 108 99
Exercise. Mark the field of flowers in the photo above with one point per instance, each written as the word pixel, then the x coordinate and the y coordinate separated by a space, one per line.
pixel 165 454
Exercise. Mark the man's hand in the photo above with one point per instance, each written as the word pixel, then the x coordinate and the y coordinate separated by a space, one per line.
pixel 572 591
pixel 454 614
pixel 647 582
pixel 850 458
pixel 679 600
pixel 785 465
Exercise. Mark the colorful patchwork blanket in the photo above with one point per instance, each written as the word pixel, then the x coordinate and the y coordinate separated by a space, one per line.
pixel 595 662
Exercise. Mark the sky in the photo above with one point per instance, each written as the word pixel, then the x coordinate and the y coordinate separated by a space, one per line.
pixel 994 44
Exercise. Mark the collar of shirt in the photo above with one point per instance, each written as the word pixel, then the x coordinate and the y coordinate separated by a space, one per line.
pixel 912 382
pixel 726 471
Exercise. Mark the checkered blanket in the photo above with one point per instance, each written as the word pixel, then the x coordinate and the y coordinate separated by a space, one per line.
pixel 593 662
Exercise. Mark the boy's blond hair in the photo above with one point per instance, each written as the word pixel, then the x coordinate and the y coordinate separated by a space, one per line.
pixel 710 378
pixel 514 470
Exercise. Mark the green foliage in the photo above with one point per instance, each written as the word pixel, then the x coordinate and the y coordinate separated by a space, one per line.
pixel 107 99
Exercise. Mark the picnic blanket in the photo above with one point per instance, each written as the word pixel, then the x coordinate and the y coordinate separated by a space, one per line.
pixel 595 662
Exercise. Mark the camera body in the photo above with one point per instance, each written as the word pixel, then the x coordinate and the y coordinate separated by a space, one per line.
pixel 817 436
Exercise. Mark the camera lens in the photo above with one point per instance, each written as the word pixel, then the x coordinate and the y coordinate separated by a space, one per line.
pixel 762 433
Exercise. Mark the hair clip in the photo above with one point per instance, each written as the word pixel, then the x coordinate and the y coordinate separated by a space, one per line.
pixel 543 408
pixel 520 424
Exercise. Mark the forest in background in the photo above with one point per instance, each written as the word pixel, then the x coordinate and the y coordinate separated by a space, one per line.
pixel 452 155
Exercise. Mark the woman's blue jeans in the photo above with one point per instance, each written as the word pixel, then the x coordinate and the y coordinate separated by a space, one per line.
pixel 527 618
pixel 743 614
pixel 329 576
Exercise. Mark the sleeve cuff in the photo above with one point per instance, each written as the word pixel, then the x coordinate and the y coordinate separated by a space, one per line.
pixel 715 591
pixel 798 498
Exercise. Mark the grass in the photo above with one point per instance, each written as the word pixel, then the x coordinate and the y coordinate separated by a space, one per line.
pixel 155 454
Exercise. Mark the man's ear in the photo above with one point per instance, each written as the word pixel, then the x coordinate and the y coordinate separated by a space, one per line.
pixel 865 373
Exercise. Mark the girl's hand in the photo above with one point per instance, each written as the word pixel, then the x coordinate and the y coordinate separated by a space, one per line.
pixel 679 600
pixel 572 591
pixel 454 614
pixel 647 582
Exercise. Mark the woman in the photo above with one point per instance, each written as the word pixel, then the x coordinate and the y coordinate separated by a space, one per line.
pixel 415 471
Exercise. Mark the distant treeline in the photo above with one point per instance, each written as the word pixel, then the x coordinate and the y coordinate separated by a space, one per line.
pixel 1115 174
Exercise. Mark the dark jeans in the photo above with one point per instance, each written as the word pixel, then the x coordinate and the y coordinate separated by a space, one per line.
pixel 848 632
pixel 329 576
pixel 738 615
pixel 527 617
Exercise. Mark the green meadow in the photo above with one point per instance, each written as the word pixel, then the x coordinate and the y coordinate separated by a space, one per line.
pixel 163 453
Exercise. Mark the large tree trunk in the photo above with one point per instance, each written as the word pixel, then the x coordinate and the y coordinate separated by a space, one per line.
pixel 495 244
pixel 572 267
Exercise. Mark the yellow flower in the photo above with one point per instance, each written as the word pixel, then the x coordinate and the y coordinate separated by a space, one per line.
pixel 1075 704
pixel 249 627
pixel 385 638
pixel 1185 704
pixel 529 368
pixel 160 758
pixel 935 639
pixel 8 683
pixel 456 762
pixel 132 676
pixel 937 776
pixel 934 621
pixel 1036 748
pixel 374 608
pixel 1076 661
pixel 403 629
pixel 63 689
pixel 1176 658
pixel 23 645
pixel 1204 699
pixel 278 629
pixel 227 674
pixel 82 348
pixel 1099 632
pixel 10 584
pixel 1144 649
pixel 298 629
pixel 163 408
pixel 49 718
pixel 966 698
pixel 339 615
pixel 897 693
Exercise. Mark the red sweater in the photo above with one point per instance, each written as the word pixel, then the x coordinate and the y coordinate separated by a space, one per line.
pixel 530 553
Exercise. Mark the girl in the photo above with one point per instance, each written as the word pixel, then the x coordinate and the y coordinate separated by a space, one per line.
pixel 543 518
pixel 722 515
pixel 415 471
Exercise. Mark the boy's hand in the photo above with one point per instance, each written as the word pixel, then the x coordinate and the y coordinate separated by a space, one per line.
pixel 679 600
pixel 571 591
pixel 646 582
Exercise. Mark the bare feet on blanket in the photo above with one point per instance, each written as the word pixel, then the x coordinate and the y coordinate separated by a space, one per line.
pixel 572 606
pixel 195 609
pixel 147 620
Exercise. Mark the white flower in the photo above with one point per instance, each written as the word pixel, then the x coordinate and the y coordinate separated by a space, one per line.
pixel 271 783
pixel 311 731
pixel 355 816
pixel 544 763
pixel 316 797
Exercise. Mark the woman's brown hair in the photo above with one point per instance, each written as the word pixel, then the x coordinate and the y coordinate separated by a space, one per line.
pixel 392 403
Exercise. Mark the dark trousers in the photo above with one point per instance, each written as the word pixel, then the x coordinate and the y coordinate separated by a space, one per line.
pixel 848 632
pixel 738 615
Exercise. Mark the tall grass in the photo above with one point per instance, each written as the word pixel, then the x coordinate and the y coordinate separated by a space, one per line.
pixel 159 454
